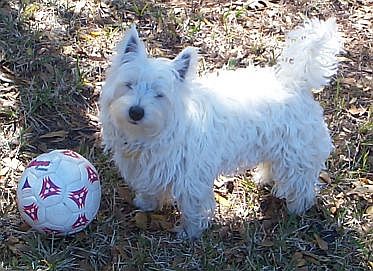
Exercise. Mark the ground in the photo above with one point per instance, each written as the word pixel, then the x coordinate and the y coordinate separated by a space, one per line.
pixel 53 57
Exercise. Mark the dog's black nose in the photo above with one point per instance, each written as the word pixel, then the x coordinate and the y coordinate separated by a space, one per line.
pixel 136 112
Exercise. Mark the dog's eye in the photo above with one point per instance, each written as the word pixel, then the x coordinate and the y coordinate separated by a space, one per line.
pixel 159 95
pixel 128 85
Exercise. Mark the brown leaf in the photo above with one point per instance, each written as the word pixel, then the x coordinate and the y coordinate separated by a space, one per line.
pixel 361 190
pixel 24 227
pixel 267 243
pixel 344 59
pixel 357 111
pixel 324 176
pixel 12 240
pixel 141 220
pixel 160 222
pixel 365 181
pixel 125 194
pixel 349 81
pixel 369 210
pixel 320 242
pixel 85 265
pixel 222 200
pixel 56 134
pixel 333 209
pixel 297 256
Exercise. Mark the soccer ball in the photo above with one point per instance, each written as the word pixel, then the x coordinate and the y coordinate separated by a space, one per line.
pixel 59 193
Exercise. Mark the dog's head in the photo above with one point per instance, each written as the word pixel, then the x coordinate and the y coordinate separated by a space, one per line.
pixel 141 94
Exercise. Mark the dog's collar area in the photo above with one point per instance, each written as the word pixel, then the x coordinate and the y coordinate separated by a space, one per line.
pixel 131 153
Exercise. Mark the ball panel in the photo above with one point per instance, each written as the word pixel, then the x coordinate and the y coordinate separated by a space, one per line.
pixel 57 214
pixel 93 203
pixel 68 172
pixel 46 162
pixel 25 184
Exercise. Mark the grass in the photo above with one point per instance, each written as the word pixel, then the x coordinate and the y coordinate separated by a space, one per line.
pixel 53 57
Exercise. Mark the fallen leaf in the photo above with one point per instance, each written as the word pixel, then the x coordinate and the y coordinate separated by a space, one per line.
pixel 361 190
pixel 320 242
pixel 125 194
pixel 357 111
pixel 324 176
pixel 79 6
pixel 369 210
pixel 344 59
pixel 222 200
pixel 333 209
pixel 4 171
pixel 365 181
pixel 11 240
pixel 353 100
pixel 60 134
pixel 85 265
pixel 267 243
pixel 349 81
pixel 160 222
pixel 297 256
pixel 141 220
pixel 24 227
pixel 95 33
pixel 9 163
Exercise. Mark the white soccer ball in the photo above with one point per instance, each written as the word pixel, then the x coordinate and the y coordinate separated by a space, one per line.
pixel 59 192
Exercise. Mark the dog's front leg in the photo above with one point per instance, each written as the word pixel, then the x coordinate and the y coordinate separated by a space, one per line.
pixel 197 207
pixel 146 203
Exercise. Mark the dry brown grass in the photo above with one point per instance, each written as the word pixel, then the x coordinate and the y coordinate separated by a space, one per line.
pixel 53 55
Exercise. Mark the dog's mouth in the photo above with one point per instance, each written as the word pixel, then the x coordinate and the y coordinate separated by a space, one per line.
pixel 133 122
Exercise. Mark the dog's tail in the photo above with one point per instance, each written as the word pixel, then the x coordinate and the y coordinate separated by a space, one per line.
pixel 309 59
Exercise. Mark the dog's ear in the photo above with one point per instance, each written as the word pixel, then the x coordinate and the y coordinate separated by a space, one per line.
pixel 131 47
pixel 186 62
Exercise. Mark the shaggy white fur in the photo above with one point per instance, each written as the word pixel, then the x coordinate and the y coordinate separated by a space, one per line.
pixel 172 134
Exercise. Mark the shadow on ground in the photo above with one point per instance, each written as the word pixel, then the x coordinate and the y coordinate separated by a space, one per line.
pixel 52 63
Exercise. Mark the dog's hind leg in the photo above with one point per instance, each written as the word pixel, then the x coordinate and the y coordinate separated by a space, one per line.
pixel 297 183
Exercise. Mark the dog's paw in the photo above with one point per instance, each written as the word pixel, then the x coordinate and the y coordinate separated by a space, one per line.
pixel 146 204
pixel 184 232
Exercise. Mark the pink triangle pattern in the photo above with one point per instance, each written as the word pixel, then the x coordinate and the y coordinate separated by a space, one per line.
pixel 71 154
pixel 79 196
pixel 32 211
pixel 49 188
pixel 92 174
pixel 81 221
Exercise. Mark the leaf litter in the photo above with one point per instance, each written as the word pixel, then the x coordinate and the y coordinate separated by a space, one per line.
pixel 50 80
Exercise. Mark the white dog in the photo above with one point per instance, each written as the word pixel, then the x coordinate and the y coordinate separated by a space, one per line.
pixel 172 134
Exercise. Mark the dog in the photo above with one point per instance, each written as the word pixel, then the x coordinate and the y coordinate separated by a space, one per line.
pixel 171 133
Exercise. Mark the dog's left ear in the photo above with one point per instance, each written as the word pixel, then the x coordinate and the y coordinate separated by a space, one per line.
pixel 186 62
